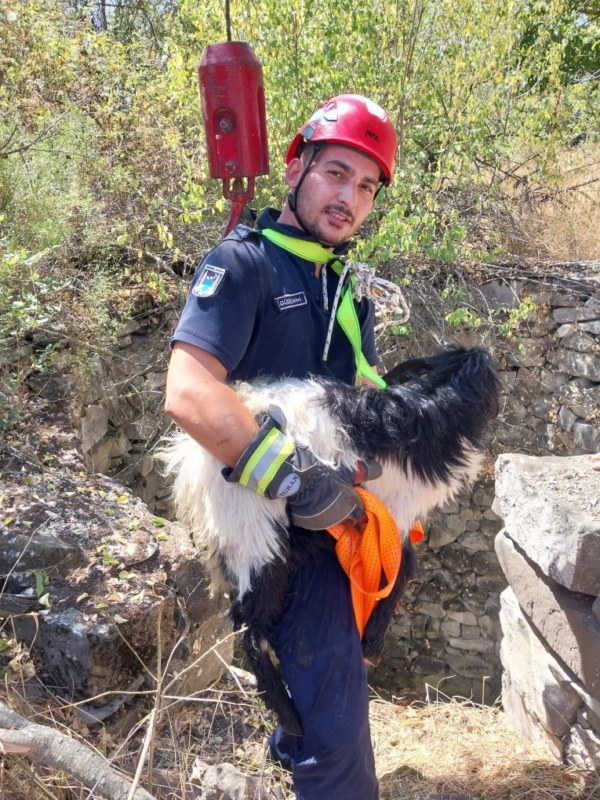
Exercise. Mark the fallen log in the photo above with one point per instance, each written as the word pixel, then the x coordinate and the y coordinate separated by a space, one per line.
pixel 47 746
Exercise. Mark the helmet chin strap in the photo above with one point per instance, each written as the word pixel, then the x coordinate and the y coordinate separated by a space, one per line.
pixel 293 197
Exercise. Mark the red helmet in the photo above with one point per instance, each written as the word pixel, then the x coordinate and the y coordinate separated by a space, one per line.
pixel 354 121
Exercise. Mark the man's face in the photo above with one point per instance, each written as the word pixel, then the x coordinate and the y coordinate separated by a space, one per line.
pixel 337 194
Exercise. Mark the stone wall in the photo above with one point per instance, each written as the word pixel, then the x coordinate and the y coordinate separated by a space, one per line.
pixel 550 614
pixel 447 632
pixel 121 414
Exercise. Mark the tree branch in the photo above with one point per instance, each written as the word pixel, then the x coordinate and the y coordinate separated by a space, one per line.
pixel 53 749
pixel 46 131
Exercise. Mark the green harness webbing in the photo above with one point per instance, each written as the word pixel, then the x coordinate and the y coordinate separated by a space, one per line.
pixel 346 312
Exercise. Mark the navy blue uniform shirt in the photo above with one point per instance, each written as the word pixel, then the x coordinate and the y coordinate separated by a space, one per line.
pixel 259 309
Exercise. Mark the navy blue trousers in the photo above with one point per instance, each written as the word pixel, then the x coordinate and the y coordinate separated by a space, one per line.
pixel 318 646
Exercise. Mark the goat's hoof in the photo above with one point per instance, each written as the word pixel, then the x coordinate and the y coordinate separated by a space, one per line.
pixel 292 725
pixel 372 661
pixel 371 655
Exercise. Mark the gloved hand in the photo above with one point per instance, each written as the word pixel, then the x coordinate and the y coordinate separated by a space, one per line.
pixel 317 496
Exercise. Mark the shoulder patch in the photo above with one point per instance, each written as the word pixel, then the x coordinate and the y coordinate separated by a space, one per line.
pixel 210 281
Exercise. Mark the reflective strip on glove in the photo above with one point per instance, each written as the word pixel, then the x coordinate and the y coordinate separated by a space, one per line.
pixel 264 463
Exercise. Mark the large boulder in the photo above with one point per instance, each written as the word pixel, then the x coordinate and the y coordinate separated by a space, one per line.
pixel 551 509
pixel 541 707
pixel 100 588
pixel 550 651
pixel 565 620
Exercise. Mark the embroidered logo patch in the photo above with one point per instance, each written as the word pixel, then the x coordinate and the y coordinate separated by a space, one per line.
pixel 209 282
pixel 290 301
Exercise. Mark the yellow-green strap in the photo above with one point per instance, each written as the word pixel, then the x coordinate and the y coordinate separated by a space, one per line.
pixel 348 321
pixel 346 313
pixel 311 251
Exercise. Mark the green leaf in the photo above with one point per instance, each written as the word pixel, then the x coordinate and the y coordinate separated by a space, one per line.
pixel 41 581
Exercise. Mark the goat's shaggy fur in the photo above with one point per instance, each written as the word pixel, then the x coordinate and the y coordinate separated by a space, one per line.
pixel 426 430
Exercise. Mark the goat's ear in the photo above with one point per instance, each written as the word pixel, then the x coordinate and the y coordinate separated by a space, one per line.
pixel 390 377
pixel 405 371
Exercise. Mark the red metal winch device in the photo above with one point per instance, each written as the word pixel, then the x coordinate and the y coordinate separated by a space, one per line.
pixel 233 107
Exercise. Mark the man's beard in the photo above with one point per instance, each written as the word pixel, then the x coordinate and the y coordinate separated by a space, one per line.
pixel 314 227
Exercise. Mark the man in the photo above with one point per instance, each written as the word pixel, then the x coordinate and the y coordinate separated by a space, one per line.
pixel 262 305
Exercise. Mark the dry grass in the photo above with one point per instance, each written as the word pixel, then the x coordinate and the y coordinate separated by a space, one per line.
pixel 557 220
pixel 457 750
pixel 451 750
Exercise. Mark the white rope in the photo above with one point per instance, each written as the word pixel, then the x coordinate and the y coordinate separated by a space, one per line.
pixel 336 302
pixel 324 291
pixel 390 306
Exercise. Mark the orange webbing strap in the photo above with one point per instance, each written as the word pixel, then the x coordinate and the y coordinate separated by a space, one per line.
pixel 367 556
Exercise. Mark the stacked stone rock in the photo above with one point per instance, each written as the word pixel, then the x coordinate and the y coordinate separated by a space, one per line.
pixel 122 415
pixel 550 614
pixel 447 633
pixel 551 379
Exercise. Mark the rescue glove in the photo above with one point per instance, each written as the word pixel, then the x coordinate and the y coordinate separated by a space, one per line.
pixel 317 496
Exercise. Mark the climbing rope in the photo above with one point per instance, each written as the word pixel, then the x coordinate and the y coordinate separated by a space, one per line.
pixel 391 308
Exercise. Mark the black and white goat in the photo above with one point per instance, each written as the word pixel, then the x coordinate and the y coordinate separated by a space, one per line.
pixel 426 430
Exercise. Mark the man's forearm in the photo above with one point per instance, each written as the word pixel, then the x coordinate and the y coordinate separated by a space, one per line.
pixel 199 401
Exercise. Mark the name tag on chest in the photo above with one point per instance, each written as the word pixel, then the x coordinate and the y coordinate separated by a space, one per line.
pixel 288 301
